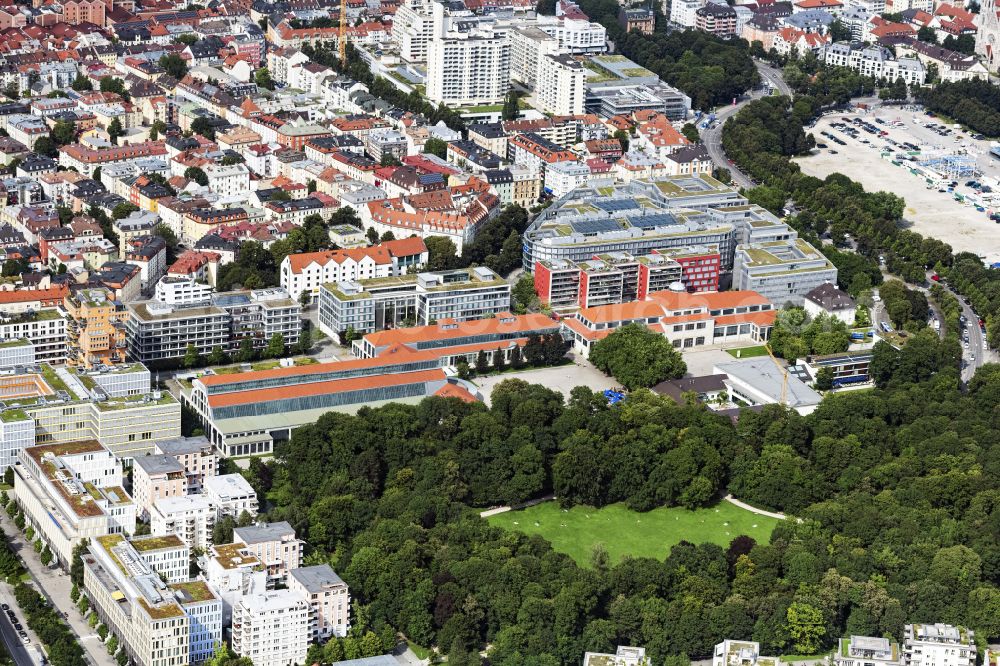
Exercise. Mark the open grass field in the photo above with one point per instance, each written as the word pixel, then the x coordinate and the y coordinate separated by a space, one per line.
pixel 748 352
pixel 625 532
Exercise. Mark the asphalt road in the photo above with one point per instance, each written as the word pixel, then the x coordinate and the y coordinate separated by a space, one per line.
pixel 712 137
pixel 10 638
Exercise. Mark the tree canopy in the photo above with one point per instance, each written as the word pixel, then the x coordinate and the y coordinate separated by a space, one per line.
pixel 637 357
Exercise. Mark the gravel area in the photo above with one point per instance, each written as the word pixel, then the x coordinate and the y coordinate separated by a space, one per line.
pixel 928 211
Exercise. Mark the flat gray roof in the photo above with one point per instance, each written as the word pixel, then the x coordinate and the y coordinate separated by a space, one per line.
pixel 159 464
pixel 264 532
pixel 317 577
pixel 181 445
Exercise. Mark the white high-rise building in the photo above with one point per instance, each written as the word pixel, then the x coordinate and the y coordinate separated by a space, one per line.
pixel 560 90
pixel 468 68
pixel 412 29
pixel 527 46
pixel 271 628
pixel 575 33
pixel 682 12
pixel 191 518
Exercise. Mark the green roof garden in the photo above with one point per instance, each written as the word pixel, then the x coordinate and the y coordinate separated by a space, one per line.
pixel 10 344
pixel 148 543
pixel 196 590
pixel 13 415
pixel 131 402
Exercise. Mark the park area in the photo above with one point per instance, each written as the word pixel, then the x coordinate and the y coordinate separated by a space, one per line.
pixel 625 532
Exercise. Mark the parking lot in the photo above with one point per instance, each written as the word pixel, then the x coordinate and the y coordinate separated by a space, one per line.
pixel 883 151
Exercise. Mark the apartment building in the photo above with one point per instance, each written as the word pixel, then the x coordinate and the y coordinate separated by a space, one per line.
pixel 308 271
pixel 373 305
pixel 196 454
pixel 161 333
pixel 191 518
pixel 136 606
pixel 783 271
pixel 741 653
pixel 96 328
pixel 717 19
pixel 166 554
pixel 528 45
pixel 231 495
pixel 874 61
pixel 45 329
pixel 938 645
pixel 85 159
pixel 275 545
pixel 686 320
pixel 560 89
pixel 624 656
pixel 70 492
pixel 328 597
pixel 867 651
pixel 182 290
pixel 468 68
pixel 271 628
pixel 573 30
pixel 232 572
pixel 155 477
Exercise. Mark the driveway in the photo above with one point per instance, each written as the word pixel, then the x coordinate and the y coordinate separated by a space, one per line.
pixel 562 378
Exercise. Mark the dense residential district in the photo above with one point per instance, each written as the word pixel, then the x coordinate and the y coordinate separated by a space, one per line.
pixel 499 332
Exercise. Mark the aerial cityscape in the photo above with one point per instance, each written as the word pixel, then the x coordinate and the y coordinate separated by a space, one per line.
pixel 499 332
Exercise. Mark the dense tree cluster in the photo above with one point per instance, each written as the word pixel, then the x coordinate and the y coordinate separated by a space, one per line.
pixel 637 357
pixel 907 308
pixel 896 489
pixel 796 334
pixel 60 641
pixel 973 103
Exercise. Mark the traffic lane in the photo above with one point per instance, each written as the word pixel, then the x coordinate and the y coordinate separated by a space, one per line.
pixel 13 642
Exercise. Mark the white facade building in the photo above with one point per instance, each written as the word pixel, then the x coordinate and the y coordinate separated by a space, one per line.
pixel 274 544
pixel 166 555
pixel 271 628
pixel 874 61
pixel 682 12
pixel 173 290
pixel 560 90
pixel 191 518
pixel 328 597
pixel 231 495
pixel 938 645
pixel 229 180
pixel 468 68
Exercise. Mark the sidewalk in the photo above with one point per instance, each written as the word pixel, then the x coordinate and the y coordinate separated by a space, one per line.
pixel 56 586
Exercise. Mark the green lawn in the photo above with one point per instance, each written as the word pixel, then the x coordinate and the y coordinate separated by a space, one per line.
pixel 748 352
pixel 625 532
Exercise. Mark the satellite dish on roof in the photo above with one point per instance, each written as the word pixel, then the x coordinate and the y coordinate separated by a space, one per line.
pixel 677 286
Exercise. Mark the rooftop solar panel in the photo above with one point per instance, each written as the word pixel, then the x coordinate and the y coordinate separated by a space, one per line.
pixel 594 226
pixel 613 205
pixel 652 221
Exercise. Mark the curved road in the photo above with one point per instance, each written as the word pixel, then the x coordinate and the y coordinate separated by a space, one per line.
pixel 712 137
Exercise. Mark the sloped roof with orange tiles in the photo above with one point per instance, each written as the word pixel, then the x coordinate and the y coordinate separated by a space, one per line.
pixel 765 318
pixel 504 322
pixel 323 388
pixel 450 390
pixel 397 354
pixel 713 300
pixel 29 295
pixel 299 262
pixel 405 247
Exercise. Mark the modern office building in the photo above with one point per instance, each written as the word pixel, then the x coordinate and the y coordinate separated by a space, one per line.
pixel 423 298
pixel 758 381
pixel 783 271
pixel 271 628
pixel 70 492
pixel 741 653
pixel 328 597
pixel 624 656
pixel 938 645
pixel 64 409
pixel 161 333
pixel 638 218
pixel 136 606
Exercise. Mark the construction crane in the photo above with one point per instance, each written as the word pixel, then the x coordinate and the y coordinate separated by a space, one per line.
pixel 342 40
pixel 784 374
